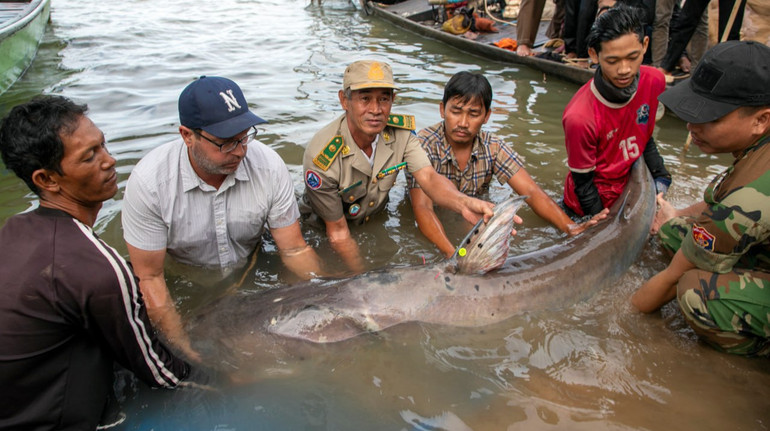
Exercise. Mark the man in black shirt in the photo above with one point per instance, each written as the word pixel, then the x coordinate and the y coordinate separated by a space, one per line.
pixel 69 303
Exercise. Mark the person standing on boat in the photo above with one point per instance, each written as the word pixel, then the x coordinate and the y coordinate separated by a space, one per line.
pixel 608 123
pixel 720 272
pixel 69 304
pixel 528 24
pixel 352 163
pixel 205 200
pixel 470 157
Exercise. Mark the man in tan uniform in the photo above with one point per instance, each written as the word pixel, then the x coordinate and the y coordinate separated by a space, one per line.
pixel 351 164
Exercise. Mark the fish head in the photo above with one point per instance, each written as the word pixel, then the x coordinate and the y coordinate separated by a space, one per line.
pixel 486 246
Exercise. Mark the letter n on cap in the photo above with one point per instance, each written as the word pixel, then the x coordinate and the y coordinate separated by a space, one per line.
pixel 230 100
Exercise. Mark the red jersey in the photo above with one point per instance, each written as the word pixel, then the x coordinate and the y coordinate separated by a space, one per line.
pixel 606 137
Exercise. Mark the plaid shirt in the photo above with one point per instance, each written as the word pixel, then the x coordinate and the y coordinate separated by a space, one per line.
pixel 489 156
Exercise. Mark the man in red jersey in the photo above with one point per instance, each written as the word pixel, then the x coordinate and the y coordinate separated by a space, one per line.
pixel 608 123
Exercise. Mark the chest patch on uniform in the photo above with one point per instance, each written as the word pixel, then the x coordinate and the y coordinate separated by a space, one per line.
pixel 329 152
pixel 312 180
pixel 643 114
pixel 703 238
pixel 401 121
pixel 354 209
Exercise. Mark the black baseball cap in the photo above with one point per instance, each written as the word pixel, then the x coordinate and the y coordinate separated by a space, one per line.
pixel 730 75
pixel 216 105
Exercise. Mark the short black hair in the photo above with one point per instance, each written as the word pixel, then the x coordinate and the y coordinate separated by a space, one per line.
pixel 30 135
pixel 468 86
pixel 616 22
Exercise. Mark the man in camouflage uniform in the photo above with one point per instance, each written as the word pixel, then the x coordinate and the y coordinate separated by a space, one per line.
pixel 720 272
pixel 351 164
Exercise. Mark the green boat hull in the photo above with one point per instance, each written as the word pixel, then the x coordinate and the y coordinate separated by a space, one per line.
pixel 19 42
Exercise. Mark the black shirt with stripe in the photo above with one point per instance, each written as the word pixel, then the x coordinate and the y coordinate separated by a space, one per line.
pixel 69 306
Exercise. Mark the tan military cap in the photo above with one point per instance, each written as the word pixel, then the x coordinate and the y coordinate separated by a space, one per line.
pixel 368 74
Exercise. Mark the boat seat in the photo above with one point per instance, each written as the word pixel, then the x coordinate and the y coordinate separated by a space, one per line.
pixel 11 9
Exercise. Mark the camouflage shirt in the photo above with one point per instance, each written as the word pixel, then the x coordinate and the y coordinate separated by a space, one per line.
pixel 490 157
pixel 735 229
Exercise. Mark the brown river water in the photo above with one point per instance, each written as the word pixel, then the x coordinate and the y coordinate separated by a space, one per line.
pixel 591 365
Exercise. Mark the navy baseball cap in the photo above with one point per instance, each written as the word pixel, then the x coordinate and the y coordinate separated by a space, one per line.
pixel 216 105
pixel 730 75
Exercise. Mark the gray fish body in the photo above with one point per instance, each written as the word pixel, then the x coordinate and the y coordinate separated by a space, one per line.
pixel 335 310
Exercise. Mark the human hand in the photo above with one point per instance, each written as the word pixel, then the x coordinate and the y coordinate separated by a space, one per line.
pixel 202 393
pixel 662 184
pixel 189 353
pixel 664 213
pixel 577 228
pixel 473 209
pixel 516 220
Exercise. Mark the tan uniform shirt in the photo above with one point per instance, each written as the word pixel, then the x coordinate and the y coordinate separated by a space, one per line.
pixel 339 179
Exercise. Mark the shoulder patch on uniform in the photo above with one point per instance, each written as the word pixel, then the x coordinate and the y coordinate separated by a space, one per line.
pixel 312 179
pixel 329 152
pixel 703 237
pixel 401 121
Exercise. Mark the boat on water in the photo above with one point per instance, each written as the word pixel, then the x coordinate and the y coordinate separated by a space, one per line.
pixel 22 24
pixel 421 17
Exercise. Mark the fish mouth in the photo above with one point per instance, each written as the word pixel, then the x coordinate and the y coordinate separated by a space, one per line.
pixel 485 247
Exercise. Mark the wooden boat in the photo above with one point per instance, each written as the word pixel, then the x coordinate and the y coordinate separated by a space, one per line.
pixel 418 16
pixel 22 24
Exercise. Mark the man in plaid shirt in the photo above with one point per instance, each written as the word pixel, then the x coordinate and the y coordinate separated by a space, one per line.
pixel 459 150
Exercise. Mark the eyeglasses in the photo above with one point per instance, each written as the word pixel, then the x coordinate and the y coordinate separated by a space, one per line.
pixel 229 146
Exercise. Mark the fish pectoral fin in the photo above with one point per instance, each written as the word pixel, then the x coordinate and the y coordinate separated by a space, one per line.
pixel 486 245
pixel 325 325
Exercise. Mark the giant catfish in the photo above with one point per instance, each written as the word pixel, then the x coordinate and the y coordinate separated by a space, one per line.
pixel 331 311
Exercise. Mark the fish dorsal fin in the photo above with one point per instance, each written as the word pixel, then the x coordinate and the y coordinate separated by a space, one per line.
pixel 486 245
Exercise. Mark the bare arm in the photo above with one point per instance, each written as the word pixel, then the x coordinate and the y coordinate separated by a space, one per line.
pixel 295 253
pixel 343 244
pixel 666 212
pixel 445 194
pixel 148 266
pixel 661 288
pixel 546 208
pixel 428 222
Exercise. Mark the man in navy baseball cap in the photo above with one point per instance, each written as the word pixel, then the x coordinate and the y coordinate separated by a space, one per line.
pixel 217 106
pixel 720 271
pixel 207 200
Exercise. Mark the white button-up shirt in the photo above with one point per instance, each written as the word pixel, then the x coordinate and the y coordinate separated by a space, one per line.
pixel 166 205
